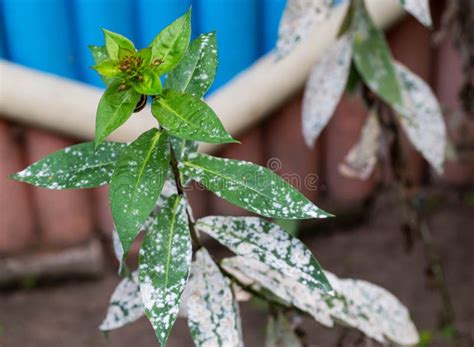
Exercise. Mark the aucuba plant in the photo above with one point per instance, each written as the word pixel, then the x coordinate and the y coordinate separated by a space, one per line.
pixel 147 178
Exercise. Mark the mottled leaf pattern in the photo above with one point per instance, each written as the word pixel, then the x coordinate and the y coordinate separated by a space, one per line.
pixel 78 166
pixel 170 45
pixel 361 159
pixel 125 304
pixel 325 87
pixel 250 186
pixel 256 238
pixel 212 317
pixel 298 19
pixel 420 9
pixel 372 57
pixel 196 71
pixel 250 272
pixel 164 262
pixel 421 118
pixel 280 332
pixel 355 303
pixel 115 107
pixel 137 182
pixel 188 117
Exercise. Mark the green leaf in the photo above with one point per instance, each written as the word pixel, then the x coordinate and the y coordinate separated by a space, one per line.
pixel 114 42
pixel 169 46
pixel 256 238
pixel 107 68
pixel 78 166
pixel 164 262
pixel 149 83
pixel 213 315
pixel 125 305
pixel 136 184
pixel 196 71
pixel 99 54
pixel 280 332
pixel 115 107
pixel 188 117
pixel 372 57
pixel 250 186
pixel 182 147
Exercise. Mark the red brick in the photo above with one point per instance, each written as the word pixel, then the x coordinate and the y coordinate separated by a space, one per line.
pixel 287 153
pixel 17 219
pixel 250 149
pixel 340 135
pixel 65 217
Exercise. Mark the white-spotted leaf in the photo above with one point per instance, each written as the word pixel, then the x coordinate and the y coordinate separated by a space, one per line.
pixel 78 166
pixel 299 18
pixel 211 307
pixel 422 118
pixel 256 238
pixel 125 304
pixel 250 186
pixel 420 9
pixel 372 57
pixel 164 265
pixel 361 159
pixel 137 182
pixel 325 87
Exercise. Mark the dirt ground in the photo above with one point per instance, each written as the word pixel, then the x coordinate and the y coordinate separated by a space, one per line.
pixel 68 314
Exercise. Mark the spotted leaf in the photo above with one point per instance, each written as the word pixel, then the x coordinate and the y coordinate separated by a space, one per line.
pixel 325 87
pixel 256 238
pixel 213 316
pixel 420 9
pixel 299 17
pixel 361 159
pixel 170 45
pixel 164 262
pixel 250 186
pixel 78 166
pixel 188 117
pixel 115 107
pixel 137 182
pixel 421 118
pixel 280 332
pixel 100 55
pixel 372 57
pixel 125 305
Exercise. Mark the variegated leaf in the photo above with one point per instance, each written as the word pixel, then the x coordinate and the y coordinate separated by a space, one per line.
pixel 250 186
pixel 164 262
pixel 125 304
pixel 420 9
pixel 250 271
pixel 298 19
pixel 372 56
pixel 280 333
pixel 212 317
pixel 325 87
pixel 361 159
pixel 253 237
pixel 355 303
pixel 422 118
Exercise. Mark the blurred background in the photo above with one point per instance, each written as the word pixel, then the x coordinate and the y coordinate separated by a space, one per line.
pixel 56 265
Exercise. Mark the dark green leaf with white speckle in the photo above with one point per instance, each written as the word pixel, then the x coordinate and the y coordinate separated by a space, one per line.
pixel 78 166
pixel 115 107
pixel 196 71
pixel 256 238
pixel 137 182
pixel 213 316
pixel 250 186
pixel 188 117
pixel 164 262
pixel 171 44
pixel 372 57
pixel 125 304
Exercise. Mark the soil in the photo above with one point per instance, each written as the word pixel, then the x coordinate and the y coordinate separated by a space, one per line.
pixel 68 314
